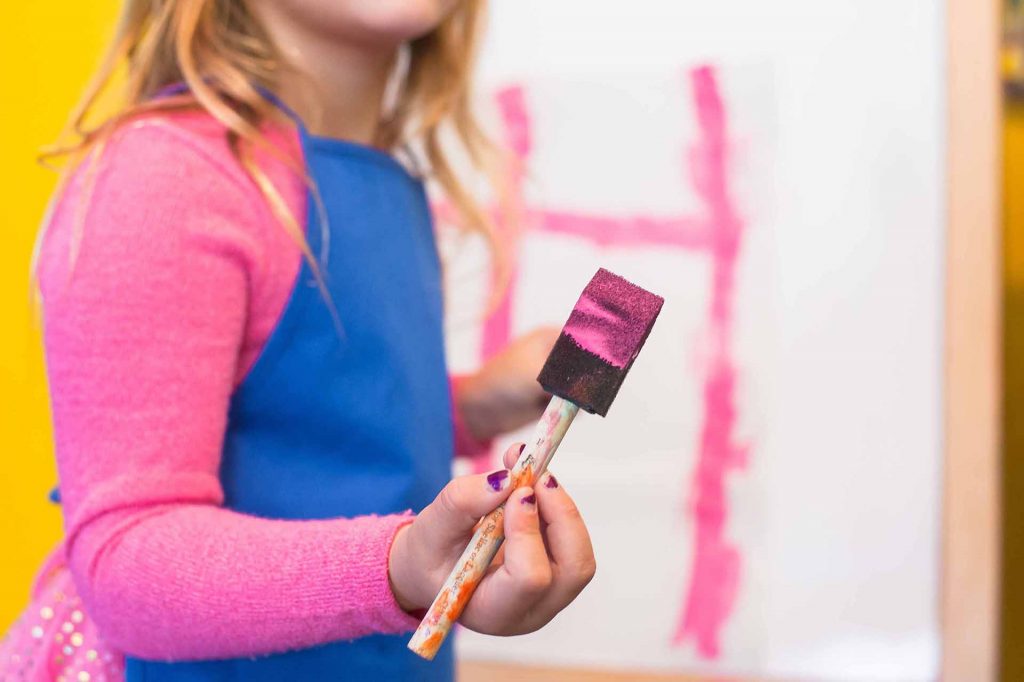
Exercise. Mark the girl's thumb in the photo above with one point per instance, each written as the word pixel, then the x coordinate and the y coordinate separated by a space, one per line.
pixel 457 509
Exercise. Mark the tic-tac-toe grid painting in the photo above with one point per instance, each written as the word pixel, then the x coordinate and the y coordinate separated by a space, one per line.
pixel 666 177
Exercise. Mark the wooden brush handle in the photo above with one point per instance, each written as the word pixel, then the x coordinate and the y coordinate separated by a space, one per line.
pixel 473 563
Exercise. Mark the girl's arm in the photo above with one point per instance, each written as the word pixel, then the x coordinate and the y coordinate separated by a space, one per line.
pixel 467 443
pixel 503 395
pixel 143 339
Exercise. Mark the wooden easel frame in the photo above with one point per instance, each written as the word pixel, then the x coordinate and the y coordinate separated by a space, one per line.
pixel 972 508
pixel 971 499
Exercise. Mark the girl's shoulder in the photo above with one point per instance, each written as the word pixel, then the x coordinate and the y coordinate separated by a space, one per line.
pixel 181 162
pixel 165 185
pixel 188 146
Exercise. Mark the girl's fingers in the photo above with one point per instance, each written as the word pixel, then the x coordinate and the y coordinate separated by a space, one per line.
pixel 506 597
pixel 525 572
pixel 534 582
pixel 512 454
pixel 451 517
pixel 568 541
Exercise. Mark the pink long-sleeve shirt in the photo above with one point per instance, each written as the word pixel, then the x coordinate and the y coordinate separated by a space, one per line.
pixel 179 276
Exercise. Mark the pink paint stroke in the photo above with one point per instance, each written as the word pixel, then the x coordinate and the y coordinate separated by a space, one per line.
pixel 509 222
pixel 636 231
pixel 716 561
pixel 511 103
pixel 715 575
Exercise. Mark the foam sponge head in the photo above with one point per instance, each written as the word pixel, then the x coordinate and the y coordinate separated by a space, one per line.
pixel 600 341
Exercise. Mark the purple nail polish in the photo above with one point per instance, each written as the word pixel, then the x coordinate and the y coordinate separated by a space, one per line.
pixel 551 482
pixel 529 499
pixel 522 447
pixel 496 479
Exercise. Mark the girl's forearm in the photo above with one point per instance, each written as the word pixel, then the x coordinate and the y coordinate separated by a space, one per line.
pixel 195 581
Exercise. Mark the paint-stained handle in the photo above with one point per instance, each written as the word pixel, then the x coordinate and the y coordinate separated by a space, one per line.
pixel 458 588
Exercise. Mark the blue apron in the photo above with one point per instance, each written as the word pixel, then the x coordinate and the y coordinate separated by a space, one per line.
pixel 342 422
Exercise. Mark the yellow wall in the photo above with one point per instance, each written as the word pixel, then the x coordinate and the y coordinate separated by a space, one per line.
pixel 47 50
pixel 1013 425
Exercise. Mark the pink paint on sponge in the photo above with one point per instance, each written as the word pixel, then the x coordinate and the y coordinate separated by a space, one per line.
pixel 613 318
pixel 601 339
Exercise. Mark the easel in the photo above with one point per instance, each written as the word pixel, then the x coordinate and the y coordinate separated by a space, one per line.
pixel 971 504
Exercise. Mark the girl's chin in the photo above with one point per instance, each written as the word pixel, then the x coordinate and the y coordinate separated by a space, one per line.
pixel 382 21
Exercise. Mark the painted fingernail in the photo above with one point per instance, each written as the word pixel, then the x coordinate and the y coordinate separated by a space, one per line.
pixel 530 499
pixel 551 482
pixel 498 480
pixel 522 446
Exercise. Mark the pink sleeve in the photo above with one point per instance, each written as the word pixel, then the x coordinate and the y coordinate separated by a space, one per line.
pixel 143 341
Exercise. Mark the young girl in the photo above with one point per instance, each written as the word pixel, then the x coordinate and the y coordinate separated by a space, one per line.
pixel 243 331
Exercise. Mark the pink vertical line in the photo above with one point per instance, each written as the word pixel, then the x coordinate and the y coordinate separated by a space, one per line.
pixel 444 212
pixel 716 567
pixel 509 217
pixel 515 117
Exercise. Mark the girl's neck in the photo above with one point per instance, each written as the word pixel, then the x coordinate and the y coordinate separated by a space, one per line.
pixel 336 88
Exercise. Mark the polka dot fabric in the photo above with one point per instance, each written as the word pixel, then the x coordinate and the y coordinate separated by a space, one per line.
pixel 54 640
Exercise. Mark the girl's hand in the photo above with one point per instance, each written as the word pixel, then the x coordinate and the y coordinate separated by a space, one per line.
pixel 504 394
pixel 545 562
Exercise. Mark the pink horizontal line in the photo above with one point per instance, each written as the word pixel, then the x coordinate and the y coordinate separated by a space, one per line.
pixel 635 231
pixel 629 231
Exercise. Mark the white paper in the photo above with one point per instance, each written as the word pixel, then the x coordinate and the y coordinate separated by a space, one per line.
pixel 836 320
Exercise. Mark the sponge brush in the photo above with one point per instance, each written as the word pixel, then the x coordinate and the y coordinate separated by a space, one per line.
pixel 600 341
pixel 595 350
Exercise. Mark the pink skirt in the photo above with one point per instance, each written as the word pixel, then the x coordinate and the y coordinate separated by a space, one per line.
pixel 54 640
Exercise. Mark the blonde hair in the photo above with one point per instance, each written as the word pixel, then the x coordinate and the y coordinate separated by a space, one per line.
pixel 225 59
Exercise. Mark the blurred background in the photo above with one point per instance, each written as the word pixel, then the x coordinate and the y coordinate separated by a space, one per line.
pixel 50 49
pixel 42 78
pixel 1013 340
